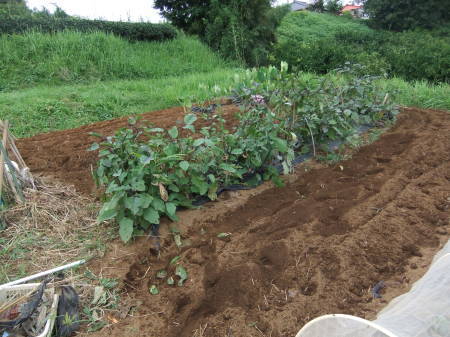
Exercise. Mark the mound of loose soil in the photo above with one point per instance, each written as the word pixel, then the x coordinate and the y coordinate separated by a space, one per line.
pixel 63 154
pixel 314 247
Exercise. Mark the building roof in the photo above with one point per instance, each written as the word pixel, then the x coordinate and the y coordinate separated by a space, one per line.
pixel 299 5
pixel 350 8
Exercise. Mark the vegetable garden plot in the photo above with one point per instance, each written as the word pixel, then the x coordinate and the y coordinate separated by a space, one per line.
pixel 63 154
pixel 316 246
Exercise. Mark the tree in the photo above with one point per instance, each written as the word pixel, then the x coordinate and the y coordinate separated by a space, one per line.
pixel 188 15
pixel 402 15
pixel 13 8
pixel 317 6
pixel 239 29
pixel 333 6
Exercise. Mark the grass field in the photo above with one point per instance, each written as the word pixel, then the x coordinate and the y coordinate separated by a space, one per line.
pixel 72 57
pixel 48 108
pixel 44 108
pixel 419 93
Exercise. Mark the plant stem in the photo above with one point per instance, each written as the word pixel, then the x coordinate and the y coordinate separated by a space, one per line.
pixel 312 137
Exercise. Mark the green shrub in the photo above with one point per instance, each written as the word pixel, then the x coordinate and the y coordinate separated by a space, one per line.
pixel 309 26
pixel 321 42
pixel 333 6
pixel 14 9
pixel 129 30
pixel 402 15
pixel 74 57
pixel 418 55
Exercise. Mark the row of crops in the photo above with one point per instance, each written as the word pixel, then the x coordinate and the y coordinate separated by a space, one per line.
pixel 149 172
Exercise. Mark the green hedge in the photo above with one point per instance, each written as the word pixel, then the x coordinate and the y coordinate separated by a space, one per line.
pixel 322 42
pixel 129 30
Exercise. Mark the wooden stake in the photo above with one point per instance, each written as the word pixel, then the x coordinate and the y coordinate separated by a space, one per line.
pixel 16 152
pixel 2 159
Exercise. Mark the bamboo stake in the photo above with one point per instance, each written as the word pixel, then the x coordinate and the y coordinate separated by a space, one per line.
pixel 11 177
pixel 21 162
pixel 16 152
pixel 2 163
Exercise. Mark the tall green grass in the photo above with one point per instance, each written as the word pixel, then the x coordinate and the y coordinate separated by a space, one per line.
pixel 309 27
pixel 419 94
pixel 48 108
pixel 42 109
pixel 74 57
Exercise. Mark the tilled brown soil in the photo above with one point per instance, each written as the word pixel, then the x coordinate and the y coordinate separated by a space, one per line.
pixel 314 247
pixel 63 155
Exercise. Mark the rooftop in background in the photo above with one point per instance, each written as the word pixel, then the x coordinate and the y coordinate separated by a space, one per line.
pixel 299 5
pixel 351 8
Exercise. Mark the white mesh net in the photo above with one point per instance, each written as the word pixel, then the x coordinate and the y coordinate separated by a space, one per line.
pixel 422 312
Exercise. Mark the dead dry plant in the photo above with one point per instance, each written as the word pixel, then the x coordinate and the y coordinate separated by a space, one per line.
pixel 54 226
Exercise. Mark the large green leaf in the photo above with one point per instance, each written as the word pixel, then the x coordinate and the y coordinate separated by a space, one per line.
pixel 173 132
pixel 151 215
pixel 126 229
pixel 237 151
pixel 201 185
pixel 134 204
pixel 159 205
pixel 171 209
pixel 228 167
pixel 184 165
pixel 190 119
pixel 138 185
pixel 146 200
pixel 106 214
pixel 109 209
pixel 280 144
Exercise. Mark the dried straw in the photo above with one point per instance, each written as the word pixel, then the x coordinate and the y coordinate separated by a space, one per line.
pixel 54 226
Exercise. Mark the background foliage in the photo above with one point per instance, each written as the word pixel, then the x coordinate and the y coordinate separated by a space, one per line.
pixel 239 29
pixel 133 31
pixel 402 15
pixel 333 6
pixel 17 18
pixel 320 42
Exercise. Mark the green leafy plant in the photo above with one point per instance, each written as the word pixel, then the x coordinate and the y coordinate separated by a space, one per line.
pixel 150 172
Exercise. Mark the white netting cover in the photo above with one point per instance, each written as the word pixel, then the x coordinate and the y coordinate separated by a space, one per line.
pixel 422 312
